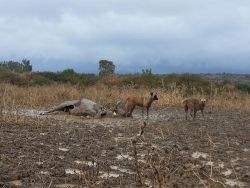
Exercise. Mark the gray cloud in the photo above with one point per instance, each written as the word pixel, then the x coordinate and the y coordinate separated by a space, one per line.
pixel 167 36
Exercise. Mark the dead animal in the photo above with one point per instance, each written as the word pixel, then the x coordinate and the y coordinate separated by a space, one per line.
pixel 116 111
pixel 82 107
pixel 194 105
pixel 86 107
pixel 144 102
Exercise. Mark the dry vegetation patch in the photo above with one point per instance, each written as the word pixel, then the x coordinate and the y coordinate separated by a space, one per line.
pixel 47 96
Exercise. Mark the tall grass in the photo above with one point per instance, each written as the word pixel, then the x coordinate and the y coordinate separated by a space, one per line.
pixel 12 96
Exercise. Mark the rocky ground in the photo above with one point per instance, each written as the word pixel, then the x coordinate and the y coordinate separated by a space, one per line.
pixel 64 151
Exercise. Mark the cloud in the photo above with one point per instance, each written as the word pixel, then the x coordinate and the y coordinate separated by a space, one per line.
pixel 169 36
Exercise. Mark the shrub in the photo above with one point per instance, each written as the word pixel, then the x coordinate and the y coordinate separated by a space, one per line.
pixel 245 87
pixel 40 80
pixel 8 76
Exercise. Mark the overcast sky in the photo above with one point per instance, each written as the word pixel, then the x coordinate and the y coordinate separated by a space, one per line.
pixel 167 36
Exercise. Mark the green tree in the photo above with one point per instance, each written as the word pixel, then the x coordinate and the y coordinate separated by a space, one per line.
pixel 26 65
pixel 12 65
pixel 68 75
pixel 106 67
pixel 147 72
pixel 70 72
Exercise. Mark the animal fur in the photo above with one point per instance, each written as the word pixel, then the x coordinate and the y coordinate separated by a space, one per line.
pixel 77 107
pixel 86 107
pixel 143 102
pixel 194 105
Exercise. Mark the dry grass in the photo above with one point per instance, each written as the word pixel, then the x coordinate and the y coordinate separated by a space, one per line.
pixel 12 96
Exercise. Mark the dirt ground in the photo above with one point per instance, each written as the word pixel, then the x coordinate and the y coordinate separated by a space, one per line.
pixel 65 151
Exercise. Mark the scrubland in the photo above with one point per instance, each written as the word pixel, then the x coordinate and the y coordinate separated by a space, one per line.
pixel 61 150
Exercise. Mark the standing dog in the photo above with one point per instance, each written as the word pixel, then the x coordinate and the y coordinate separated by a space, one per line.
pixel 144 102
pixel 194 105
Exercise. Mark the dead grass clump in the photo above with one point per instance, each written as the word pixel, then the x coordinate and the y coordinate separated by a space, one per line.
pixel 230 102
pixel 161 167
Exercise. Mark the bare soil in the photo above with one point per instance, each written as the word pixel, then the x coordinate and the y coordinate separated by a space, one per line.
pixel 65 151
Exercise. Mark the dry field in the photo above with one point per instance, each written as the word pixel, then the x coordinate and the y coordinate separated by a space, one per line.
pixel 65 151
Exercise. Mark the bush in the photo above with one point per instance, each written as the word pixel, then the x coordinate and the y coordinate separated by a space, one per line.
pixel 151 80
pixel 243 87
pixel 12 77
pixel 189 83
pixel 68 76
pixel 87 79
pixel 40 80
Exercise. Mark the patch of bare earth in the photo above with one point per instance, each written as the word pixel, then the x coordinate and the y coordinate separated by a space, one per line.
pixel 65 151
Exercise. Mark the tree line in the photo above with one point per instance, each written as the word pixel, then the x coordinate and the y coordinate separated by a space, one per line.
pixel 23 66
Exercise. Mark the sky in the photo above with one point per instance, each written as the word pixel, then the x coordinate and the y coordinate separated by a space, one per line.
pixel 168 36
